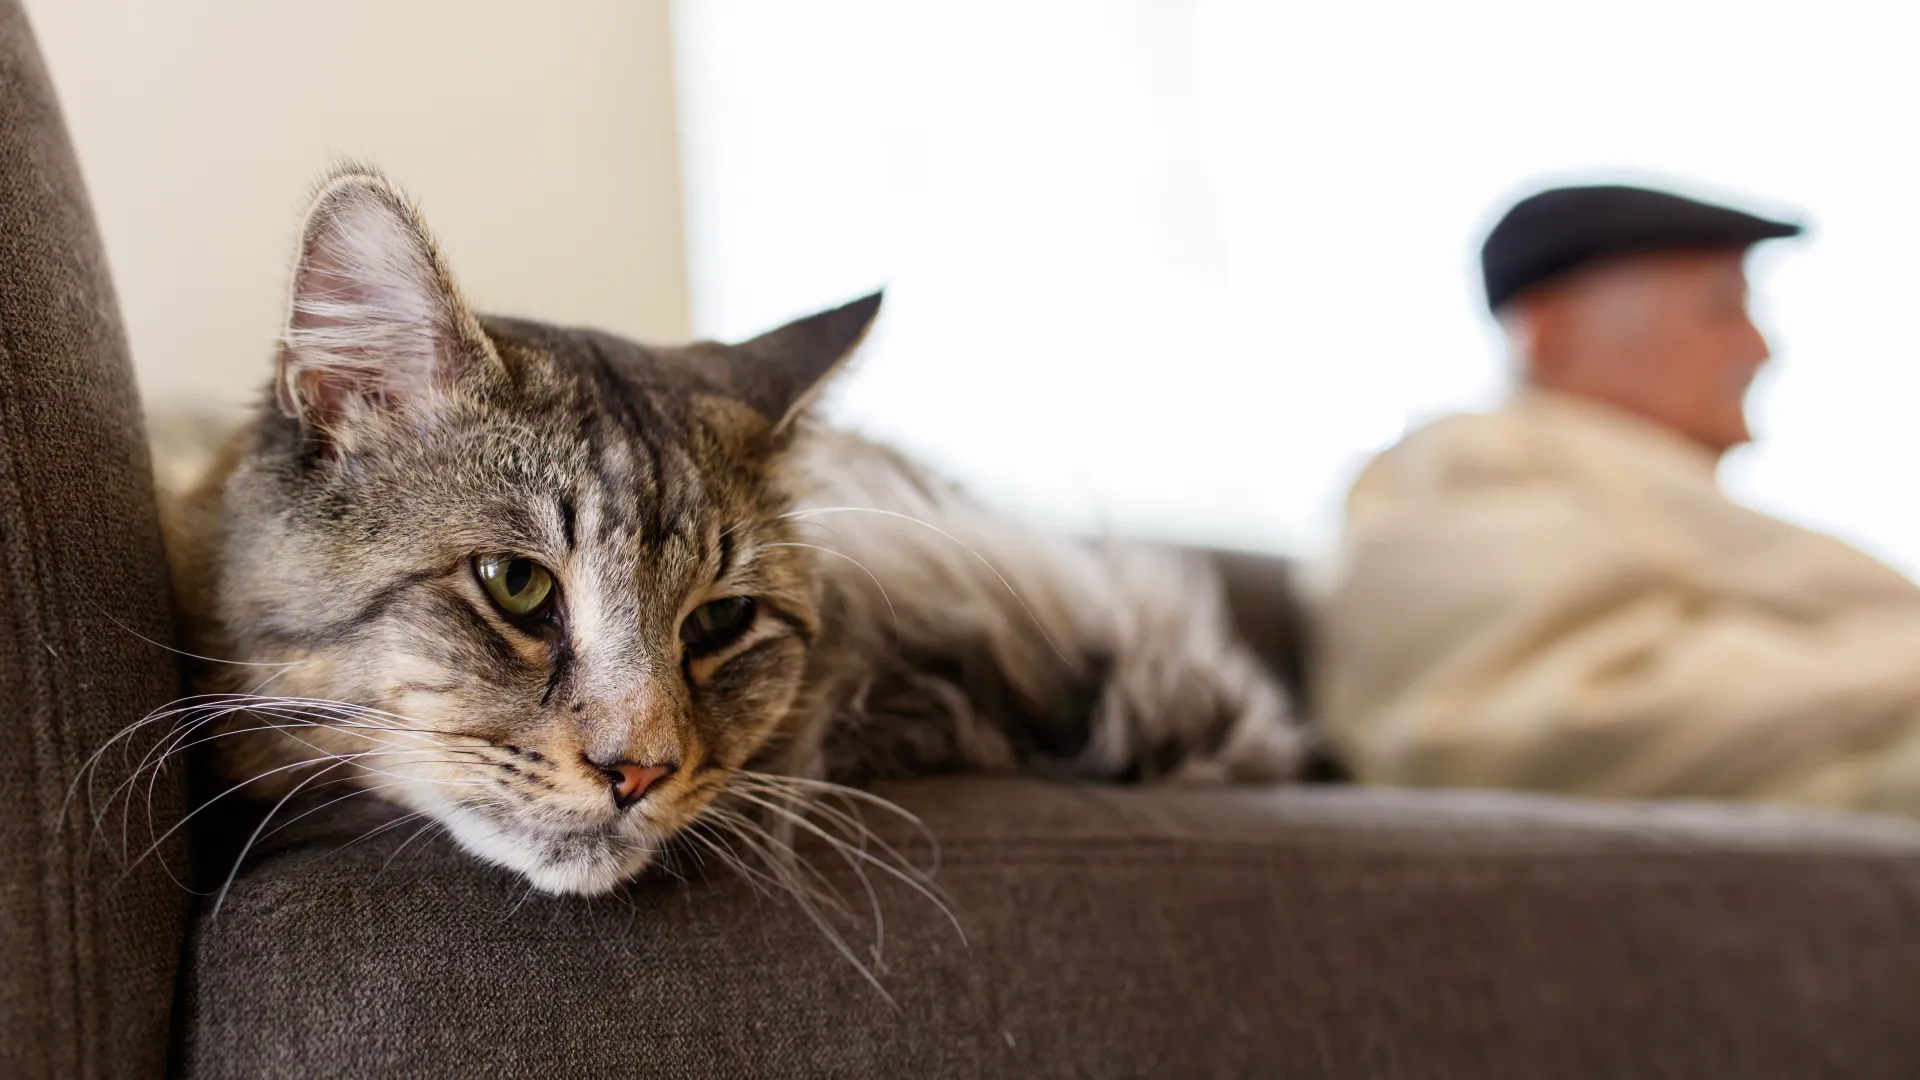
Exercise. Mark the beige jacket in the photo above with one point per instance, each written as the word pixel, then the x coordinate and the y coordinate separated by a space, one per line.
pixel 1557 596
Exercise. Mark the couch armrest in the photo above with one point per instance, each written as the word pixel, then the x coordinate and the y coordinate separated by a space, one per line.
pixel 1110 931
pixel 87 958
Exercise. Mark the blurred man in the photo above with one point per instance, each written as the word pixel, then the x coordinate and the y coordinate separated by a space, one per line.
pixel 1557 596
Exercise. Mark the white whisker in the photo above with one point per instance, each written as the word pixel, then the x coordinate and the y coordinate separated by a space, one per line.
pixel 404 844
pixel 908 876
pixel 995 571
pixel 807 900
pixel 850 793
pixel 891 613
pixel 240 859
pixel 196 656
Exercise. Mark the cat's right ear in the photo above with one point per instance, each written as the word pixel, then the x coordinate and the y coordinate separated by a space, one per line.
pixel 780 372
pixel 374 323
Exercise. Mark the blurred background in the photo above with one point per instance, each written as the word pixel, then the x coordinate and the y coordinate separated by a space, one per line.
pixel 1171 268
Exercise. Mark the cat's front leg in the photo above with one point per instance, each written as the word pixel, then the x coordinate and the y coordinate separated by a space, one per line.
pixel 1219 718
pixel 1173 694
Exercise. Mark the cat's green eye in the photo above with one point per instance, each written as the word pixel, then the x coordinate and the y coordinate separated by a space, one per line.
pixel 715 625
pixel 519 585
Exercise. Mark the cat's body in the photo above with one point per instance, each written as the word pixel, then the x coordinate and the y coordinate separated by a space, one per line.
pixel 957 639
pixel 714 585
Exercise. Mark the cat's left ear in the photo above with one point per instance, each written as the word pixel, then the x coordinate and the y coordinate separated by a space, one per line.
pixel 780 372
pixel 374 323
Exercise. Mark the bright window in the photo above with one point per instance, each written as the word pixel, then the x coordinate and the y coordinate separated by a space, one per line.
pixel 1178 268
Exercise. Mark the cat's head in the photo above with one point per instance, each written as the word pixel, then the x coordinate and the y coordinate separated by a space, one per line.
pixel 547 568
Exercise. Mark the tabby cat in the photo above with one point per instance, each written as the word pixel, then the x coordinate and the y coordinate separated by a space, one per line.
pixel 565 595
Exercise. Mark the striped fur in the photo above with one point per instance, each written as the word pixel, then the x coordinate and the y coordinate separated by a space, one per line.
pixel 900 628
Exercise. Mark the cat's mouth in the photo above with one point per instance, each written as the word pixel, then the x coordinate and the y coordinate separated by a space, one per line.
pixel 584 860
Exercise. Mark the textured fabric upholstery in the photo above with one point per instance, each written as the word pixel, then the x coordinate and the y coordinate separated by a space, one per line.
pixel 87 958
pixel 1109 932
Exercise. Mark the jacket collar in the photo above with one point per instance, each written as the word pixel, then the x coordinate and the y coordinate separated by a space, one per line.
pixel 1633 438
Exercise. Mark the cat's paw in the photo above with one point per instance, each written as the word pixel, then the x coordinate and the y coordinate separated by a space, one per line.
pixel 1214 718
pixel 1158 688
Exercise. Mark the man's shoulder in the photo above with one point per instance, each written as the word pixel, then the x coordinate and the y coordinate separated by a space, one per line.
pixel 1464 432
pixel 1468 448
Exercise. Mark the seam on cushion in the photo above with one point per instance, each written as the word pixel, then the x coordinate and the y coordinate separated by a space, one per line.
pixel 1570 866
pixel 1575 869
pixel 1602 847
pixel 1333 846
pixel 1578 866
pixel 272 893
pixel 1100 814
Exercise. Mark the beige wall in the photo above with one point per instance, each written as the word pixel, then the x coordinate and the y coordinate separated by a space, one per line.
pixel 539 139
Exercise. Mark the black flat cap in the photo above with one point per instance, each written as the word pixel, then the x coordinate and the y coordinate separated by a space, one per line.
pixel 1548 234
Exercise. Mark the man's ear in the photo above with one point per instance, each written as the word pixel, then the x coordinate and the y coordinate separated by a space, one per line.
pixel 374 322
pixel 780 372
pixel 1535 325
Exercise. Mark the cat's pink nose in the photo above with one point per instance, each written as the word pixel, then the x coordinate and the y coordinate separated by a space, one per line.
pixel 630 779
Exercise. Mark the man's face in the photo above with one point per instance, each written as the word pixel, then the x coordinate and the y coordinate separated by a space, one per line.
pixel 1665 336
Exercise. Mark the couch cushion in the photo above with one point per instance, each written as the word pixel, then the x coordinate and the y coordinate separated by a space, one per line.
pixel 86 956
pixel 1110 932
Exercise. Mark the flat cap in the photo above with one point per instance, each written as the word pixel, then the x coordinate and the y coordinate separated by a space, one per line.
pixel 1558 230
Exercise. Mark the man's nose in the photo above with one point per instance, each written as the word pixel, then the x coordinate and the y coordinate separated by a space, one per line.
pixel 629 780
pixel 1758 349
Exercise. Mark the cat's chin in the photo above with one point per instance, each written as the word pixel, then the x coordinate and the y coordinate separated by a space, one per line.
pixel 561 866
pixel 585 878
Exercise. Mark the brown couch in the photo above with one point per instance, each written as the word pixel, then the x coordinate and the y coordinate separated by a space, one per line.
pixel 1319 931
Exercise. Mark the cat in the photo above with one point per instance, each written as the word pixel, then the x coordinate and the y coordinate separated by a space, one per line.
pixel 567 595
